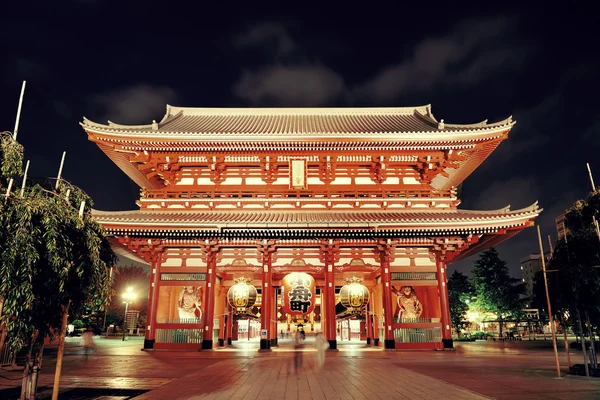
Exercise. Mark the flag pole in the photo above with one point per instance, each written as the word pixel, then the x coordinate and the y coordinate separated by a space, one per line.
pixel 591 177
pixel 19 111
pixel 62 161
pixel 552 327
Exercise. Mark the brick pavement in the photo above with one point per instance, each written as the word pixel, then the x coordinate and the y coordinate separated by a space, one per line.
pixel 273 377
pixel 498 370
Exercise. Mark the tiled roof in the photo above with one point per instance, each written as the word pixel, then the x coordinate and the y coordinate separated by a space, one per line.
pixel 400 220
pixel 299 123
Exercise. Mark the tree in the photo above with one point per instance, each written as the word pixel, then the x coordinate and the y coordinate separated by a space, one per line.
pixel 460 292
pixel 53 260
pixel 576 260
pixel 496 290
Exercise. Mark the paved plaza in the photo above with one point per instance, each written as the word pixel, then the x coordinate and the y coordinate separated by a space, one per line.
pixel 476 370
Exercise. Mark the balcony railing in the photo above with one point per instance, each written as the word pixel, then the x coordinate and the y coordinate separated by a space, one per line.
pixel 418 335
pixel 179 336
pixel 179 320
pixel 413 276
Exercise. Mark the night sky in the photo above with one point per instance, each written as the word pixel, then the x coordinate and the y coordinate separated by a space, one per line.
pixel 125 60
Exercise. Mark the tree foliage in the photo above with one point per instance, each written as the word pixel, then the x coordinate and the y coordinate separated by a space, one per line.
pixel 460 292
pixel 52 260
pixel 496 290
pixel 577 283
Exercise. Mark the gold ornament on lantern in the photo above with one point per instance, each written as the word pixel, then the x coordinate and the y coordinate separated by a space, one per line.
pixel 354 295
pixel 242 296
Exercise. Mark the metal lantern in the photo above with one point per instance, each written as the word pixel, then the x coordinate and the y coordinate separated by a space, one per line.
pixel 298 294
pixel 354 295
pixel 242 296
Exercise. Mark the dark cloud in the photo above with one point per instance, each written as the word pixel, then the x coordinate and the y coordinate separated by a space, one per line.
pixel 310 85
pixel 518 192
pixel 138 104
pixel 468 54
pixel 267 37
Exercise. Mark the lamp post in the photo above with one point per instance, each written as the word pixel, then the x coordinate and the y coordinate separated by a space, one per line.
pixel 128 297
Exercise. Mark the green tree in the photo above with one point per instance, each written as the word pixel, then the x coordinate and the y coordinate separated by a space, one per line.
pixel 460 292
pixel 576 260
pixel 52 260
pixel 496 290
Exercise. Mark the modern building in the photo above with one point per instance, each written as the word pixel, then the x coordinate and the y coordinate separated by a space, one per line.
pixel 299 203
pixel 531 265
pixel 561 228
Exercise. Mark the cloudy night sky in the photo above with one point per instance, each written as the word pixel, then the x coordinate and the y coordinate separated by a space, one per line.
pixel 125 60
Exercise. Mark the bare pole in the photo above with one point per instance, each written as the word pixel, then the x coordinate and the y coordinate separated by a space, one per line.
pixel 62 335
pixel 550 244
pixel 19 111
pixel 62 161
pixel 10 183
pixel 24 178
pixel 591 177
pixel 552 328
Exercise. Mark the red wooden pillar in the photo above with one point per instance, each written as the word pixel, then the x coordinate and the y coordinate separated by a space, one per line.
pixel 369 322
pixel 444 304
pixel 384 255
pixel 150 336
pixel 265 312
pixel 209 297
pixel 274 333
pixel 330 323
pixel 229 327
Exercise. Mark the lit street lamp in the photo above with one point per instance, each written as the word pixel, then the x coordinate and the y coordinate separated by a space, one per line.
pixel 128 297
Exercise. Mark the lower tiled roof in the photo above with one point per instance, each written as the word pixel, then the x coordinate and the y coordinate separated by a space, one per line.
pixel 412 220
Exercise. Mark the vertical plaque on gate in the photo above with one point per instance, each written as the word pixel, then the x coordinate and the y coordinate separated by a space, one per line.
pixel 298 173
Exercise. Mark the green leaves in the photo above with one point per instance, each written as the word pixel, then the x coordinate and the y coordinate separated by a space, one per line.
pixel 11 157
pixel 496 290
pixel 576 284
pixel 49 255
pixel 460 292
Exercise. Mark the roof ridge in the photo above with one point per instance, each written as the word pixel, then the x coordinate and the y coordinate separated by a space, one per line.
pixel 296 110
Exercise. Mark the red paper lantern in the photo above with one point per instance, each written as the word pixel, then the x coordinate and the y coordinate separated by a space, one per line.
pixel 298 294
pixel 354 295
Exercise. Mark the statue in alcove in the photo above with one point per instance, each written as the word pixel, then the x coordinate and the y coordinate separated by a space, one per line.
pixel 409 306
pixel 188 304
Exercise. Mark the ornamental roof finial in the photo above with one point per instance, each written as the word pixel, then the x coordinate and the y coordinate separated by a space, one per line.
pixel 154 125
pixel 441 124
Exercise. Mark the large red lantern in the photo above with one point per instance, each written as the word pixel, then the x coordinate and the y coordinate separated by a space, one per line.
pixel 354 295
pixel 242 296
pixel 298 294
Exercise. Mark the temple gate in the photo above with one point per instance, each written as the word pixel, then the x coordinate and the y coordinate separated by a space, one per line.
pixel 350 193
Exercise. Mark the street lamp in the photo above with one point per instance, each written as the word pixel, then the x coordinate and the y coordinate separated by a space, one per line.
pixel 128 297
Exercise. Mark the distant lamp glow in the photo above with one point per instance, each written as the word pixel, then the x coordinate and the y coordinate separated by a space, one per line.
pixel 128 297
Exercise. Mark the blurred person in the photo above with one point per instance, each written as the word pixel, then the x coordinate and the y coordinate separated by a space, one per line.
pixel 322 345
pixel 298 351
pixel 87 341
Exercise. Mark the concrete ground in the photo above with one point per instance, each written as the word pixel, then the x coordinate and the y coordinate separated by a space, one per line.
pixel 476 370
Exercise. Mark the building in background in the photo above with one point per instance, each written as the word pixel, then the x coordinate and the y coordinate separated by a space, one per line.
pixel 561 228
pixel 531 265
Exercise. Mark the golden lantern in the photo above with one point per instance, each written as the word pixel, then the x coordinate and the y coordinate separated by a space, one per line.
pixel 242 296
pixel 354 295
pixel 298 294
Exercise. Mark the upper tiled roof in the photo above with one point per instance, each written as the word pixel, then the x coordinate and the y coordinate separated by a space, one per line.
pixel 299 123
